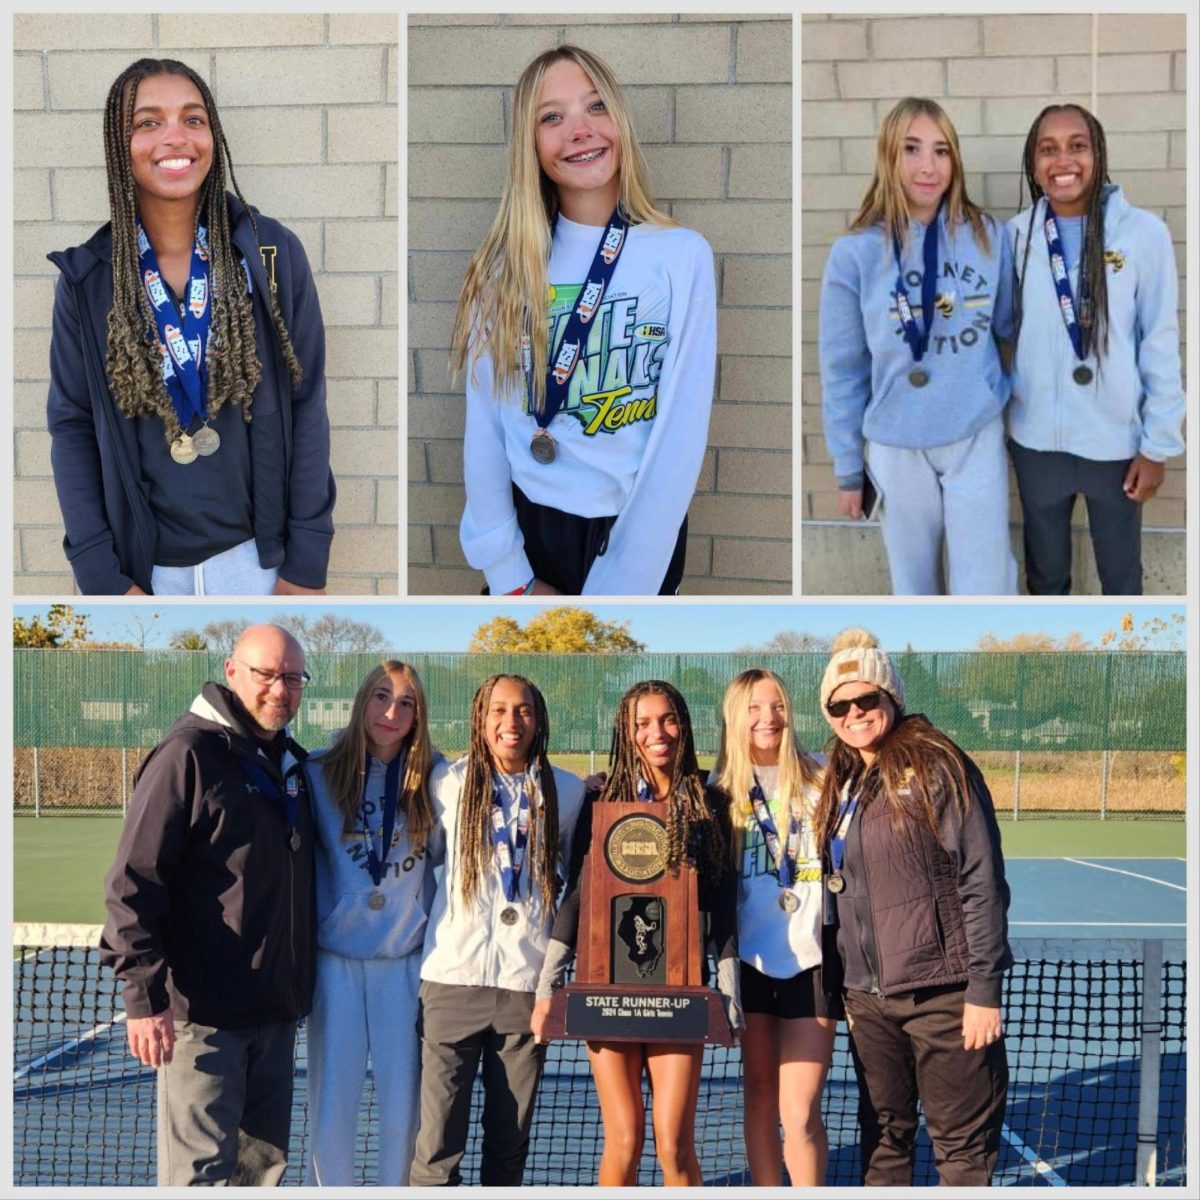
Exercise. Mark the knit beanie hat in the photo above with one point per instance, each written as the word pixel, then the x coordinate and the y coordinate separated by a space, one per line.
pixel 858 659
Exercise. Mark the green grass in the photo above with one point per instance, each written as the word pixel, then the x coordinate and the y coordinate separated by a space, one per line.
pixel 59 863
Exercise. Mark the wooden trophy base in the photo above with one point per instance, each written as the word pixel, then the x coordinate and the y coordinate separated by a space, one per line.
pixel 614 1013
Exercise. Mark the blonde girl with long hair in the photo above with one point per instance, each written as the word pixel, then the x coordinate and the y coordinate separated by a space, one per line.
pixel 790 993
pixel 911 378
pixel 586 332
pixel 376 843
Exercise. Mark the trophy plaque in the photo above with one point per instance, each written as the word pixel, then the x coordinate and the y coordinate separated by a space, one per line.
pixel 640 943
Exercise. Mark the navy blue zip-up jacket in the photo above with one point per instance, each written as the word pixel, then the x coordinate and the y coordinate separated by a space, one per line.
pixel 110 528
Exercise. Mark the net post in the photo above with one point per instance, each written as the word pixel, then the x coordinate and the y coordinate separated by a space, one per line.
pixel 37 785
pixel 1151 1064
pixel 591 762
pixel 1017 787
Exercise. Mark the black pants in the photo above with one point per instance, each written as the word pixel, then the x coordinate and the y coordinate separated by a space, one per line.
pixel 911 1045
pixel 561 547
pixel 1049 482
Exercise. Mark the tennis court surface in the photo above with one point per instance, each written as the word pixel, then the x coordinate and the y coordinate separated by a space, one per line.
pixel 1095 1025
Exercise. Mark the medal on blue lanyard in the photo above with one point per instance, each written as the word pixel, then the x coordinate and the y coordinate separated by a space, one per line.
pixel 185 376
pixel 289 799
pixel 918 339
pixel 784 857
pixel 1066 301
pixel 570 346
pixel 510 857
pixel 837 845
pixel 391 795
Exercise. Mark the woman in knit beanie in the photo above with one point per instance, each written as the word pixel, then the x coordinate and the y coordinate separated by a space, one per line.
pixel 917 892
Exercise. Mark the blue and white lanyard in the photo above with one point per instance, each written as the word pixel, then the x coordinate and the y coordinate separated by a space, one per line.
pixel 288 800
pixel 1072 315
pixel 918 339
pixel 837 843
pixel 510 857
pixel 783 858
pixel 185 375
pixel 377 860
pixel 570 346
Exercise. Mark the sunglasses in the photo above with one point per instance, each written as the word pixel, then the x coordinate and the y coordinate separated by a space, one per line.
pixel 867 702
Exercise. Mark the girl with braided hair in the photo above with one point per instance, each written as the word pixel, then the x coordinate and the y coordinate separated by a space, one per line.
pixel 376 842
pixel 190 441
pixel 506 817
pixel 653 759
pixel 1097 400
pixel 791 989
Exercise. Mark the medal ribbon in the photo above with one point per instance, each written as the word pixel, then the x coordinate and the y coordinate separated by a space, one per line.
pixel 510 858
pixel 570 345
pixel 1062 285
pixel 918 339
pixel 261 781
pixel 784 857
pixel 837 843
pixel 391 794
pixel 184 373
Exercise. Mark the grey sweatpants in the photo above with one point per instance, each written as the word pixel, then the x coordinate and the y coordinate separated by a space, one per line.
pixel 460 1026
pixel 225 1106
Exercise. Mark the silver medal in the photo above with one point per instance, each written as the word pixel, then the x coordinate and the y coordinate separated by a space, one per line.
pixel 836 882
pixel 788 901
pixel 1082 375
pixel 206 440
pixel 183 450
pixel 918 377
pixel 294 839
pixel 509 916
pixel 375 901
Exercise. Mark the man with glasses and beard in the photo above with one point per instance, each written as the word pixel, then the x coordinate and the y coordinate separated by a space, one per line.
pixel 210 919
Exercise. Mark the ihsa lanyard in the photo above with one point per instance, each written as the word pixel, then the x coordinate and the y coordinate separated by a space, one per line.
pixel 918 339
pixel 570 346
pixel 1074 319
pixel 510 857
pixel 391 795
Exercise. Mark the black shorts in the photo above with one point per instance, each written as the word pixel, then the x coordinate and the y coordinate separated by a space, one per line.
pixel 800 996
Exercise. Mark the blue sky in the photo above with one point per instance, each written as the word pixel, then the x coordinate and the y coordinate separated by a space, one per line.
pixel 954 624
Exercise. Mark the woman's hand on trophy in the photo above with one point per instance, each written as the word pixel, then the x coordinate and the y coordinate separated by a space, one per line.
pixel 539 1020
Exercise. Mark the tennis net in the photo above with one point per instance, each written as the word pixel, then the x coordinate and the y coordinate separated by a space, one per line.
pixel 1076 1029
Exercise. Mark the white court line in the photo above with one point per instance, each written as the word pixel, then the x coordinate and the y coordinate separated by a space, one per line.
pixel 1040 1165
pixel 1110 924
pixel 1132 874
pixel 67 1047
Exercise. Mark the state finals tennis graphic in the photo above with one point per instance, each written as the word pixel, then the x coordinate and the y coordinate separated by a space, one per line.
pixel 614 383
pixel 963 304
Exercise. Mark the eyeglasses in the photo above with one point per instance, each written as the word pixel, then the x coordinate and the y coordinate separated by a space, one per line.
pixel 867 702
pixel 294 681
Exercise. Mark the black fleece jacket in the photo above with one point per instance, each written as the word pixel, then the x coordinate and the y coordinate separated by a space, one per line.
pixel 210 899
pixel 110 527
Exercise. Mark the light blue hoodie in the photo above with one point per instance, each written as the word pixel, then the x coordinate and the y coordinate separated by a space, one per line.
pixel 346 924
pixel 1134 403
pixel 865 361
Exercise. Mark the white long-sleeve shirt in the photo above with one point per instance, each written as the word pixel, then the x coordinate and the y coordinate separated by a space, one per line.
pixel 630 437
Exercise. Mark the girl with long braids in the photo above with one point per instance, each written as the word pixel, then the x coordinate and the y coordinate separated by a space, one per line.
pixel 653 759
pixel 917 892
pixel 791 991
pixel 912 385
pixel 1097 399
pixel 376 840
pixel 190 441
pixel 586 328
pixel 507 816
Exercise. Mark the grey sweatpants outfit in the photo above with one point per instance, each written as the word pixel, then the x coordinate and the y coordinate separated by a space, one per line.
pixel 225 1106
pixel 460 1026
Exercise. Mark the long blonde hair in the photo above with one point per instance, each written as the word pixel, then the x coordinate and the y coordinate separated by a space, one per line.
pixel 885 204
pixel 506 278
pixel 799 772
pixel 343 765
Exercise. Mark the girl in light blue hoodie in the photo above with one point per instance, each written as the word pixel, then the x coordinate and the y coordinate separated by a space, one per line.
pixel 1097 402
pixel 911 378
pixel 377 842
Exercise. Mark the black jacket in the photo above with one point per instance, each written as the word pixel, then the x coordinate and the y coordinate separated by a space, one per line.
pixel 717 896
pixel 110 528
pixel 920 911
pixel 210 909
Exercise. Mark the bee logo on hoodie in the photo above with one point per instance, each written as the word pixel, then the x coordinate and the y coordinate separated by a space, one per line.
pixel 945 303
pixel 1114 259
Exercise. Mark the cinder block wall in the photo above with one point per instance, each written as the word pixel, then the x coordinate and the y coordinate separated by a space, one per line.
pixel 712 104
pixel 308 102
pixel 992 74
